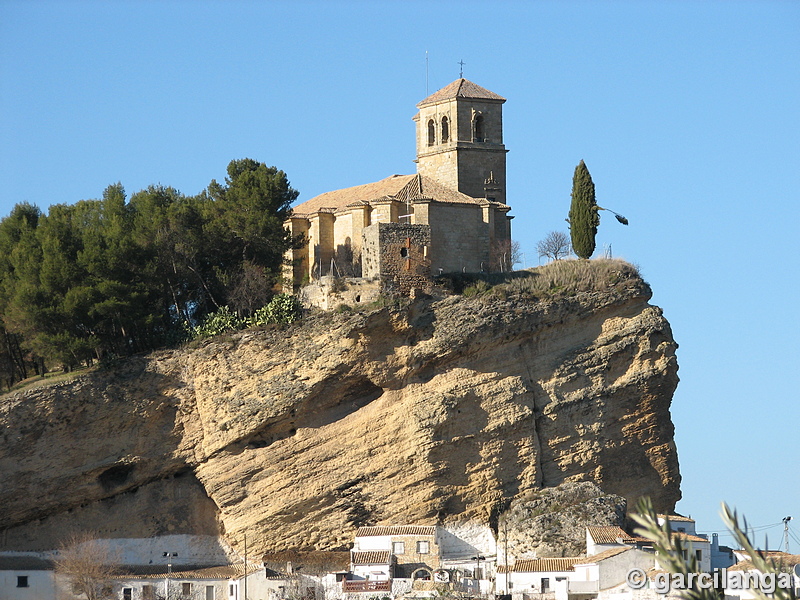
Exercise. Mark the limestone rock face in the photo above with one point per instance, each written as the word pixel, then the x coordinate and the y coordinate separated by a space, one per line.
pixel 553 521
pixel 438 411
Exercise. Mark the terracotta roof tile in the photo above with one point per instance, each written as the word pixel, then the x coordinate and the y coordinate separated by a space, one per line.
pixel 338 199
pixel 675 518
pixel 396 530
pixel 396 187
pixel 425 188
pixel 218 572
pixel 781 559
pixel 608 534
pixel 461 88
pixel 604 555
pixel 372 557
pixel 689 537
pixel 538 565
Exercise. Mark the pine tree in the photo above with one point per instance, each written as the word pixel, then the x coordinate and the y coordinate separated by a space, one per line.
pixel 583 217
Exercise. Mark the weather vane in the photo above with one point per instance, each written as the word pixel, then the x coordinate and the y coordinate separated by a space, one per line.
pixel 461 73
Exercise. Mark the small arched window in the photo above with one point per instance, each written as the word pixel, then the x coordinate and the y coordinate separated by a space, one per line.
pixel 478 133
pixel 431 133
pixel 445 130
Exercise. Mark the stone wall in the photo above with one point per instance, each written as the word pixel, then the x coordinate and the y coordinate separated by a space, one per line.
pixel 460 239
pixel 397 253
pixel 329 292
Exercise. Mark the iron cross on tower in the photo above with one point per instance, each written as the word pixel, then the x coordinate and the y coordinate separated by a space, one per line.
pixel 461 73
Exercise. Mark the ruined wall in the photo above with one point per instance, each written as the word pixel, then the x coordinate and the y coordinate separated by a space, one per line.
pixel 328 293
pixel 397 253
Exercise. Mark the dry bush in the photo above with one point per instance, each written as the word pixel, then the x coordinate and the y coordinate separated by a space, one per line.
pixel 569 277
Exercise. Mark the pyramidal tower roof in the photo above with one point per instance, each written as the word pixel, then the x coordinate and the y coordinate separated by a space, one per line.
pixel 461 88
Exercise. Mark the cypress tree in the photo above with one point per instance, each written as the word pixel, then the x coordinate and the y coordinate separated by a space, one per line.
pixel 583 217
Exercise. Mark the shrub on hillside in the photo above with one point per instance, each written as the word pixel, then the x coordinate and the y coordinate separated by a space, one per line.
pixel 283 308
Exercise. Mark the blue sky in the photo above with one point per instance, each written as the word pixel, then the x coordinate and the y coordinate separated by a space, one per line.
pixel 686 113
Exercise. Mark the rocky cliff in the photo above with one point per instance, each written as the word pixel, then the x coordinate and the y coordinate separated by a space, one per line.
pixel 439 410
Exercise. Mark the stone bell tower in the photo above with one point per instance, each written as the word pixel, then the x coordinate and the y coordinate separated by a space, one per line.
pixel 460 140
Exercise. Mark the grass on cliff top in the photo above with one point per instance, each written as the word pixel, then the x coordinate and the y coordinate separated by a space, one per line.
pixel 37 381
pixel 557 279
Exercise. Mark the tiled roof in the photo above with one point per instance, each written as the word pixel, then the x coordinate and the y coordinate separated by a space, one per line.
pixel 675 518
pixel 25 563
pixel 218 572
pixel 397 187
pixel 779 558
pixel 338 199
pixel 396 530
pixel 425 188
pixel 689 537
pixel 372 557
pixel 461 88
pixel 537 565
pixel 604 555
pixel 608 534
pixel 307 561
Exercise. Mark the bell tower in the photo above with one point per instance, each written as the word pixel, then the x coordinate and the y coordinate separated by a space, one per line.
pixel 460 140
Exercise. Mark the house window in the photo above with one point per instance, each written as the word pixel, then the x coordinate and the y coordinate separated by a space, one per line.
pixel 398 548
pixel 22 581
pixel 209 592
pixel 148 592
pixel 699 555
pixel 545 584
pixel 431 133
pixel 478 134
pixel 186 588
pixel 445 130
pixel 423 547
pixel 127 593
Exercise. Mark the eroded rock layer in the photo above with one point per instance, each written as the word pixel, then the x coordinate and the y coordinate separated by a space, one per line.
pixel 437 411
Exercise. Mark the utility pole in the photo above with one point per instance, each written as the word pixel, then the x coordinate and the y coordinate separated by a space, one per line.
pixel 505 551
pixel 169 556
pixel 786 533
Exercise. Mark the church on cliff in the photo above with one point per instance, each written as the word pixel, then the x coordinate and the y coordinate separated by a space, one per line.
pixel 450 216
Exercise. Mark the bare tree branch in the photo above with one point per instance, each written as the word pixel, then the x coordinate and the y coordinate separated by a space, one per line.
pixel 555 245
pixel 89 565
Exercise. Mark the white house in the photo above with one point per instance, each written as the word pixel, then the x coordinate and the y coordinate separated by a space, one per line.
pixel 25 576
pixel 372 565
pixel 208 583
pixel 608 569
pixel 678 523
pixel 399 558
pixel 693 545
pixel 535 575
pixel 606 537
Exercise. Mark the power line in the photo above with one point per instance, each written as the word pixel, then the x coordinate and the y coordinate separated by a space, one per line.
pixel 749 528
